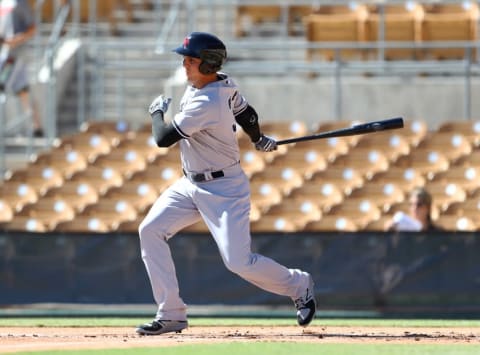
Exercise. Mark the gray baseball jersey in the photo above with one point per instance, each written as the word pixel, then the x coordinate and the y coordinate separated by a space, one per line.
pixel 206 122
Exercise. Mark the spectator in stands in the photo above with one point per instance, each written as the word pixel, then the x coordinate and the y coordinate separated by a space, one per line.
pixel 419 217
pixel 17 27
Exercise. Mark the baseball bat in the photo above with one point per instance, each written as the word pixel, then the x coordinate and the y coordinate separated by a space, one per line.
pixel 375 126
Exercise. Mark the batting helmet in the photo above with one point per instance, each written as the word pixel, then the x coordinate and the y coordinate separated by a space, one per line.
pixel 207 47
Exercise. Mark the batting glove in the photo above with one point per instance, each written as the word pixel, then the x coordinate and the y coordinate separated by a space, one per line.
pixel 161 103
pixel 266 144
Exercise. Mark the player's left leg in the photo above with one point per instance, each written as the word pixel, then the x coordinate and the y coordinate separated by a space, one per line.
pixel 172 211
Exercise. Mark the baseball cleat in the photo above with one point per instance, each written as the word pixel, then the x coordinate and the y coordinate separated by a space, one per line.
pixel 157 327
pixel 306 305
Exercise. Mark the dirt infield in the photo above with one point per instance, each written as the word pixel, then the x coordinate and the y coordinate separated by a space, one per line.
pixel 49 338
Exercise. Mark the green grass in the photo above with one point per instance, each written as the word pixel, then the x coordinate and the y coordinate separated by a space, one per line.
pixel 277 348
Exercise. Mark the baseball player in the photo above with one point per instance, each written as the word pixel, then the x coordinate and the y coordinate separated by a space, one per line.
pixel 214 188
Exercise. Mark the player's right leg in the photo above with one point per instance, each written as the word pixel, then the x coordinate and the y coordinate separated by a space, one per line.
pixel 231 232
pixel 172 211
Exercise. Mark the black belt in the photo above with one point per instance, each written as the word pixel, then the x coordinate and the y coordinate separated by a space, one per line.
pixel 204 177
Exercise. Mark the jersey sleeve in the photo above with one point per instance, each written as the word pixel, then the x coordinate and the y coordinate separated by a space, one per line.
pixel 239 103
pixel 201 113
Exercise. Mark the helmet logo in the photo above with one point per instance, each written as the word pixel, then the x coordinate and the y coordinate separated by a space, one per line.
pixel 186 42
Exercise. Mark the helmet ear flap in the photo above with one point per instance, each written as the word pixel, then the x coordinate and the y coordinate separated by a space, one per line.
pixel 212 60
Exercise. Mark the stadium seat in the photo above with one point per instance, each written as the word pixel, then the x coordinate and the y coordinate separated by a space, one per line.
pixel 326 126
pixel 383 195
pixel 450 22
pixel 472 159
pixel 324 194
pixel 331 223
pixel 393 145
pixel 159 177
pixel 366 161
pixel 330 148
pixel 102 178
pixel 252 161
pixel 114 131
pixel 469 208
pixel 111 211
pixel 140 194
pixel 126 161
pixel 379 225
pixel 336 23
pixel 298 212
pixel 248 17
pixel 144 143
pixel 456 223
pixel 284 129
pixel 445 193
pixel 40 177
pixel 27 224
pixel 360 211
pixel 344 178
pixel 470 129
pixel 65 160
pixel 401 22
pixel 404 177
pixel 84 224
pixel 49 211
pixel 273 223
pixel 18 194
pixel 89 144
pixel 264 194
pixel 451 144
pixel 467 177
pixel 6 211
pixel 424 161
pixel 79 194
pixel 414 130
pixel 286 178
pixel 306 161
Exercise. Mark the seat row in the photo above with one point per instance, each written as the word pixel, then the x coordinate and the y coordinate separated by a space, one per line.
pixel 411 23
pixel 110 170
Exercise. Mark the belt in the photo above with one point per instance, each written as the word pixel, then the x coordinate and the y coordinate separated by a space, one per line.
pixel 202 177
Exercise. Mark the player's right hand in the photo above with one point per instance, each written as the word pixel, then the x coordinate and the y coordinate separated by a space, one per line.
pixel 161 103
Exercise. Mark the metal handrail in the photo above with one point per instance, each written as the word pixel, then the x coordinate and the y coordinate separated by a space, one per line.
pixel 167 27
pixel 52 46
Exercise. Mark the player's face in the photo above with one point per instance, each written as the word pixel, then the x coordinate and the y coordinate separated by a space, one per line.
pixel 191 65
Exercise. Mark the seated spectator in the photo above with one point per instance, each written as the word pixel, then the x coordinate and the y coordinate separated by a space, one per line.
pixel 418 218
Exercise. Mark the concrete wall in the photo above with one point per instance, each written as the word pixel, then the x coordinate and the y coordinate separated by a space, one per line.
pixel 433 99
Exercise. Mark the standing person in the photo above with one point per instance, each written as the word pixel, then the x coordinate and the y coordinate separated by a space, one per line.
pixel 419 217
pixel 17 27
pixel 214 188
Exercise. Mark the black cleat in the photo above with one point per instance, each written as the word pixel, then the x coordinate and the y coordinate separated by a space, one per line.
pixel 306 306
pixel 157 327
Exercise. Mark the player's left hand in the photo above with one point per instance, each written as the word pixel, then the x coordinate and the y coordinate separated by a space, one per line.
pixel 266 144
pixel 161 103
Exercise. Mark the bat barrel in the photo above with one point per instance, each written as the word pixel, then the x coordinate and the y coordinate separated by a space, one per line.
pixel 370 127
